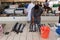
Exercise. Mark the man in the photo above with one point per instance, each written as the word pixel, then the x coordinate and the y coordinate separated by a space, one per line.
pixel 35 16
pixel 25 10
pixel 30 6
pixel 46 6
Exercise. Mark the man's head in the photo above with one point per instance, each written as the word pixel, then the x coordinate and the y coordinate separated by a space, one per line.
pixel 46 0
pixel 36 7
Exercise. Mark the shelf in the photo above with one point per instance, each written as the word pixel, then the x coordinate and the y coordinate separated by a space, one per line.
pixel 20 0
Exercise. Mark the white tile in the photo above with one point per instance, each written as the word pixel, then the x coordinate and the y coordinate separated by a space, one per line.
pixel 4 37
pixel 36 36
pixel 29 36
pixel 17 37
pixel 11 37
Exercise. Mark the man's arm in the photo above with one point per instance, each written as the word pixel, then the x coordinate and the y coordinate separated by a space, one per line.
pixel 41 11
pixel 32 16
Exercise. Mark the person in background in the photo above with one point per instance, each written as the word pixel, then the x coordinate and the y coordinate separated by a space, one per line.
pixel 36 16
pixel 40 4
pixel 25 10
pixel 30 6
pixel 46 5
pixel 26 5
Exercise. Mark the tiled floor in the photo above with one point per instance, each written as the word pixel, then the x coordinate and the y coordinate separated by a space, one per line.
pixel 26 35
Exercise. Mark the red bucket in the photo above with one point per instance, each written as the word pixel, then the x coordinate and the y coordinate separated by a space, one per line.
pixel 45 31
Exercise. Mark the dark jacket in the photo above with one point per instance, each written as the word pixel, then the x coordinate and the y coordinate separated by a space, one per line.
pixel 38 13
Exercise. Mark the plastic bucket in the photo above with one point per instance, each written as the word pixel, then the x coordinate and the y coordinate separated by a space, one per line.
pixel 45 31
